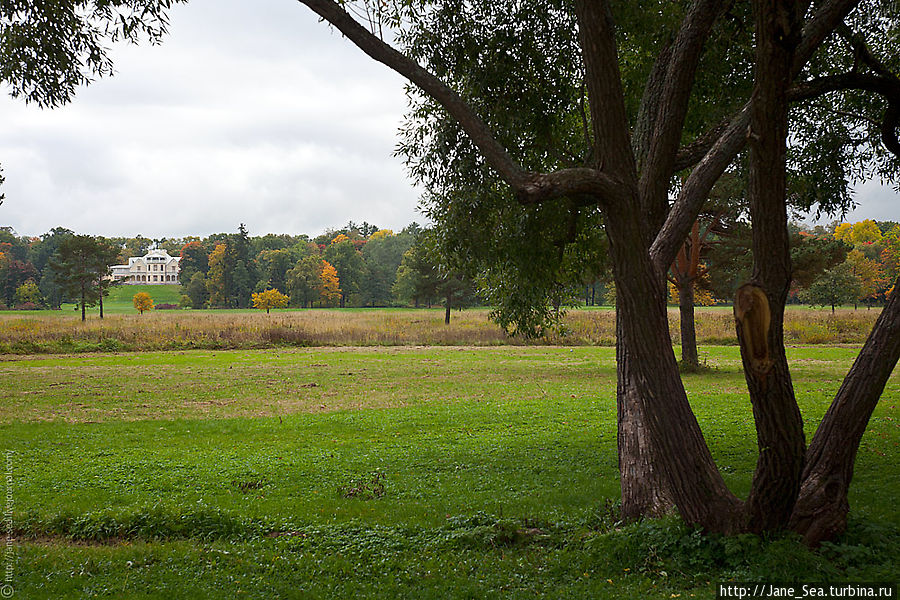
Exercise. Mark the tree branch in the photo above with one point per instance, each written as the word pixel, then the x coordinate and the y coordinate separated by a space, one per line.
pixel 606 97
pixel 696 189
pixel 673 105
pixel 828 16
pixel 690 154
pixel 649 107
pixel 698 185
pixel 821 510
pixel 588 186
pixel 495 154
pixel 887 85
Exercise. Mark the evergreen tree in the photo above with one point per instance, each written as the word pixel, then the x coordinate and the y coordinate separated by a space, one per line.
pixel 79 264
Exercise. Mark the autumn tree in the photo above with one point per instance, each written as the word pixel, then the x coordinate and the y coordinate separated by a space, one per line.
pixel 142 301
pixel 862 232
pixel 269 299
pixel 349 265
pixel 330 289
pixel 872 280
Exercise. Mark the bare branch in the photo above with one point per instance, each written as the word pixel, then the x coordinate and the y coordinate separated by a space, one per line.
pixel 587 186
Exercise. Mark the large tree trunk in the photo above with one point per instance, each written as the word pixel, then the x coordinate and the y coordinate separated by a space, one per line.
pixel 821 510
pixel 645 491
pixel 649 378
pixel 688 331
pixel 759 307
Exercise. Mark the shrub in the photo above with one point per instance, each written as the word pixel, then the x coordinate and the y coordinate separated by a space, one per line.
pixel 27 306
pixel 166 306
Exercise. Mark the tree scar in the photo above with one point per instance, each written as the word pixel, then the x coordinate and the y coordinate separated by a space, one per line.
pixel 751 311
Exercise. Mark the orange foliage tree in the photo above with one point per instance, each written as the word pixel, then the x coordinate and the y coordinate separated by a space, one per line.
pixel 142 301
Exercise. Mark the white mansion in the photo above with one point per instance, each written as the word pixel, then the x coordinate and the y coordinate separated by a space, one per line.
pixel 154 268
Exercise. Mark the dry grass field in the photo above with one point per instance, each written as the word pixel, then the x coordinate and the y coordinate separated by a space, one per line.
pixel 63 332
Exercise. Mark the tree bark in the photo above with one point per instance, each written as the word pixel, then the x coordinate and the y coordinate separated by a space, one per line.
pixel 688 330
pixel 645 491
pixel 821 509
pixel 650 379
pixel 759 307
pixel 447 311
pixel 663 455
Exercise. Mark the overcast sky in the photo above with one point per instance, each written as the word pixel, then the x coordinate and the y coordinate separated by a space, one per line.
pixel 249 112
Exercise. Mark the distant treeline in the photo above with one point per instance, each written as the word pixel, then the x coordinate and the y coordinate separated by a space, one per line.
pixel 363 265
pixel 357 265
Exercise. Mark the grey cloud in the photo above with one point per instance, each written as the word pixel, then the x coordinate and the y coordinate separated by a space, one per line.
pixel 250 112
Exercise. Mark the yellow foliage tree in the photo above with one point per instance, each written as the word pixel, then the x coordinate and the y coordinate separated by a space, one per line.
pixel 142 301
pixel 331 285
pixel 702 296
pixel 215 278
pixel 843 232
pixel 269 299
pixel 381 233
pixel 863 232
pixel 340 238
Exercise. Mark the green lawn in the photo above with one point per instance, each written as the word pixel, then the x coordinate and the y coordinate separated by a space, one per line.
pixel 120 297
pixel 257 474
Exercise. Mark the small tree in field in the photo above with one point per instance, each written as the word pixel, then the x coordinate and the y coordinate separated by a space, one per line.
pixel 142 301
pixel 331 290
pixel 269 299
pixel 834 287
pixel 27 293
